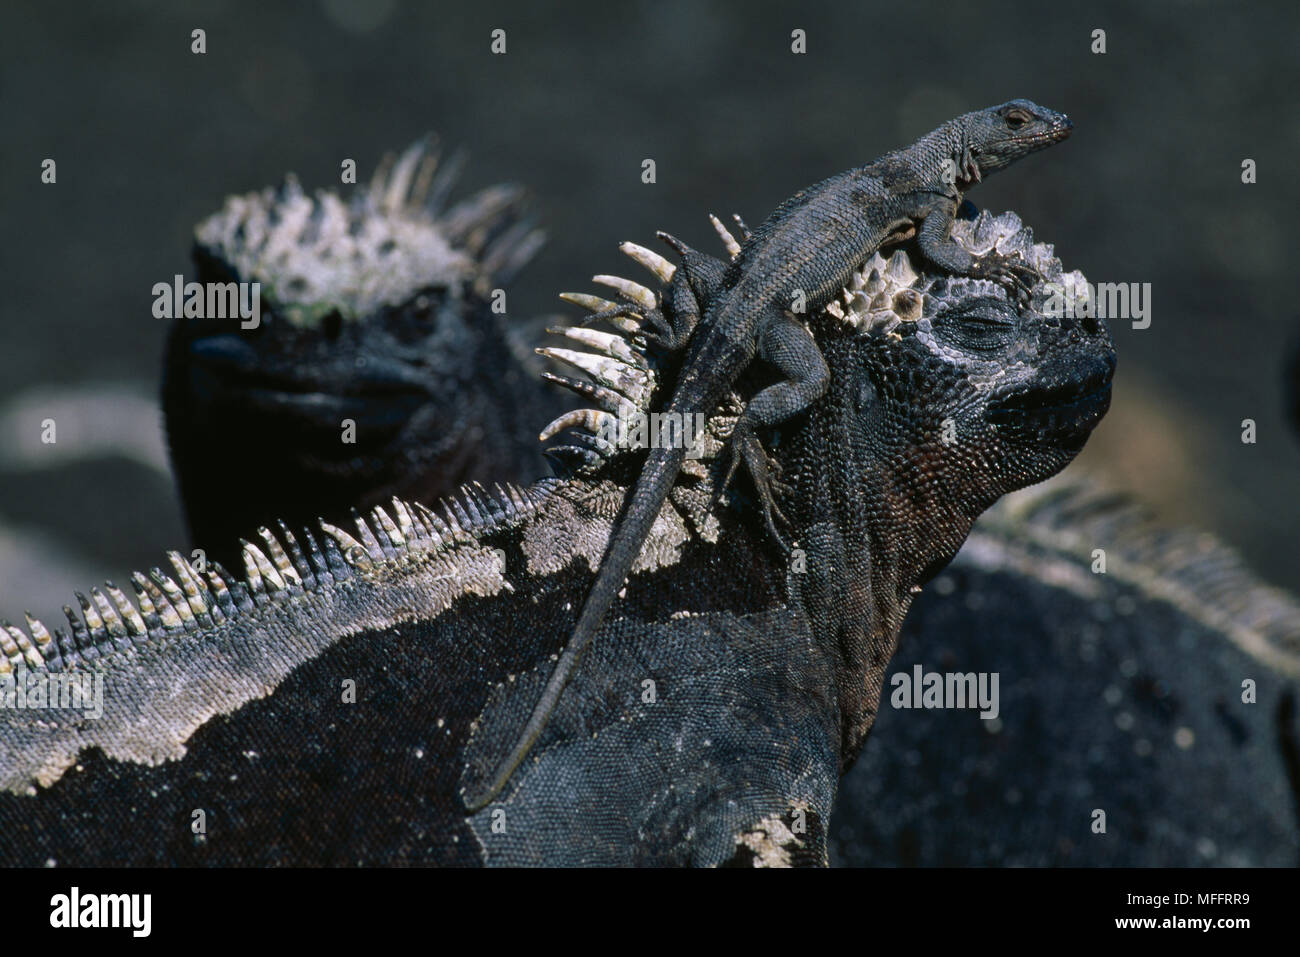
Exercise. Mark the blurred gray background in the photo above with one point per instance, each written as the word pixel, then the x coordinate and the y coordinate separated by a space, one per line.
pixel 149 138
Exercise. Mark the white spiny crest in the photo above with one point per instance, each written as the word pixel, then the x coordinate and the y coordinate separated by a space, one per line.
pixel 604 343
pixel 622 377
pixel 589 420
pixel 416 179
pixel 636 292
pixel 259 570
pixel 728 240
pixel 18 651
pixel 317 254
pixel 651 260
pixel 187 600
pixel 44 638
pixel 605 370
pixel 630 325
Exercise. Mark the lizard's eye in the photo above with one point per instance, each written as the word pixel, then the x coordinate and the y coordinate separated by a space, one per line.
pixel 1017 119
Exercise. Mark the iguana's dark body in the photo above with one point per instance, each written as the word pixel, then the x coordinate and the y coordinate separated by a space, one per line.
pixel 229 698
pixel 809 247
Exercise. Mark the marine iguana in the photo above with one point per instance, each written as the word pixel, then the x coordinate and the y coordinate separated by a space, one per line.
pixel 359 384
pixel 807 250
pixel 331 707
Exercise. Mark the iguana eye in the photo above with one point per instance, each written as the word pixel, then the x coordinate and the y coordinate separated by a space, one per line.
pixel 1017 119
pixel 983 326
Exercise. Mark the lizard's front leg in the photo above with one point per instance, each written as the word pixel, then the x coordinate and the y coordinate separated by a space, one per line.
pixel 671 326
pixel 788 346
pixel 937 245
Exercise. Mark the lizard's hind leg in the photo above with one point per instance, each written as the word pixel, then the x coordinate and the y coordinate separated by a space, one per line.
pixel 670 328
pixel 791 349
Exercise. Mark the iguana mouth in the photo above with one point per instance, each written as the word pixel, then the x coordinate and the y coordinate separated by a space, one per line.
pixel 1056 134
pixel 380 393
pixel 1038 140
pixel 1072 406
pixel 229 359
pixel 376 410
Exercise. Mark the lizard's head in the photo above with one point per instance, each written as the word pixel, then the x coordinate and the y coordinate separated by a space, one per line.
pixel 352 379
pixel 1000 135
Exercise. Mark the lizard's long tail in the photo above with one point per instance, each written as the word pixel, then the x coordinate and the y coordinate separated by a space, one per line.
pixel 647 499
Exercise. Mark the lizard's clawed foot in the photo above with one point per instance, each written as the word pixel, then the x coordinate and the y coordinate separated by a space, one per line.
pixel 1015 276
pixel 765 473
pixel 659 332
pixel 655 328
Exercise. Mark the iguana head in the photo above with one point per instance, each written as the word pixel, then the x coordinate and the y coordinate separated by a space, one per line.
pixel 354 386
pixel 951 394
pixel 1000 135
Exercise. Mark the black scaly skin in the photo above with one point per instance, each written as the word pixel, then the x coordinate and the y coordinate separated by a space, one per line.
pixel 229 696
pixel 810 245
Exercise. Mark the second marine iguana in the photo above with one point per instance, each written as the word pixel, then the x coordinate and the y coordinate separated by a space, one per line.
pixel 807 250
pixel 379 368
pixel 333 705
